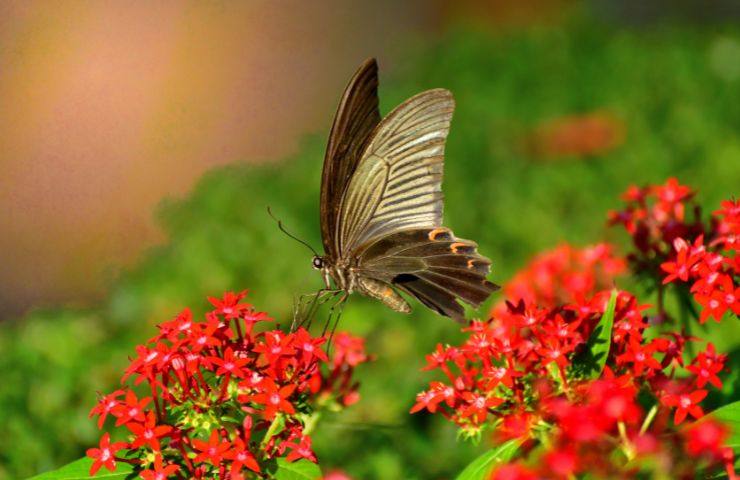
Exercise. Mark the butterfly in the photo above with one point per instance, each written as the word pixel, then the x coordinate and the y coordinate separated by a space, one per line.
pixel 381 204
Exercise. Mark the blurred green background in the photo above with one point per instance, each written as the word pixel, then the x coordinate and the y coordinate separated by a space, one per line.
pixel 554 120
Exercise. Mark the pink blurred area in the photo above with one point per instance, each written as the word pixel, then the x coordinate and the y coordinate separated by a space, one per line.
pixel 107 107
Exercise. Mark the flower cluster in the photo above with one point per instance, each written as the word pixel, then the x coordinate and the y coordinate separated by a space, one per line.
pixel 712 269
pixel 564 274
pixel 530 375
pixel 218 399
pixel 654 216
pixel 672 248
pixel 581 377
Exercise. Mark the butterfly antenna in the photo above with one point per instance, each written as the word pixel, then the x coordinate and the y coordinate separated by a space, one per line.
pixel 282 229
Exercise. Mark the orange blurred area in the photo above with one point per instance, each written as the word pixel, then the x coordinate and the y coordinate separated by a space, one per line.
pixel 584 135
pixel 108 107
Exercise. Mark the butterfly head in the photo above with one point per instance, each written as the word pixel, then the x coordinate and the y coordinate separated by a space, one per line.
pixel 318 262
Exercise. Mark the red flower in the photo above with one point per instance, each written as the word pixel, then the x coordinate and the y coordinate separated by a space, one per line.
pixel 686 258
pixel 160 472
pixel 230 364
pixel 276 345
pixel 513 471
pixel 348 350
pixel 562 462
pixel 478 406
pixel 204 336
pixel 706 366
pixel 274 398
pixel 706 438
pixel 500 375
pixel 131 409
pixel 105 405
pixel 672 191
pixel 439 392
pixel 640 356
pixel 685 403
pixel 301 450
pixel 229 306
pixel 148 433
pixel 552 350
pixel 104 456
pixel 310 347
pixel 213 450
pixel 241 457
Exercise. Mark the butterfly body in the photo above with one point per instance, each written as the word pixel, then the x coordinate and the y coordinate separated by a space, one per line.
pixel 381 204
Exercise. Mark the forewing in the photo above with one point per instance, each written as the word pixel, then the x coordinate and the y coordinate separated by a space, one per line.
pixel 398 182
pixel 432 265
pixel 356 118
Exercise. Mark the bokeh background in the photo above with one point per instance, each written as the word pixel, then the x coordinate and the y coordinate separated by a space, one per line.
pixel 140 143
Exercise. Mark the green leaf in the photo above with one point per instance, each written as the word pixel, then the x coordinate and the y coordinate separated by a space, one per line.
pixel 481 467
pixel 300 470
pixel 277 426
pixel 730 416
pixel 79 470
pixel 590 362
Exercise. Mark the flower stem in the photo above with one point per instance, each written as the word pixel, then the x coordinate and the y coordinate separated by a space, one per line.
pixel 649 419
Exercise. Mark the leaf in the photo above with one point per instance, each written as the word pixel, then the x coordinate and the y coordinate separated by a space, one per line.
pixel 79 470
pixel 590 362
pixel 730 416
pixel 277 426
pixel 480 468
pixel 301 470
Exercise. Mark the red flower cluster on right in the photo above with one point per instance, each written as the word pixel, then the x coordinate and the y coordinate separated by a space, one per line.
pixel 528 374
pixel 714 269
pixel 673 248
pixel 579 389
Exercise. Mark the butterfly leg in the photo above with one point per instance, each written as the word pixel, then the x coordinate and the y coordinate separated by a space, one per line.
pixel 316 300
pixel 336 313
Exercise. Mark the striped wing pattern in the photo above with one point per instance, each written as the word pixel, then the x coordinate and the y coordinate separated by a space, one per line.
pixel 432 265
pixel 398 183
pixel 356 118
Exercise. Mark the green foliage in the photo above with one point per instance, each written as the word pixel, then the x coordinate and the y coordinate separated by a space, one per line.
pixel 730 416
pixel 300 470
pixel 480 468
pixel 79 470
pixel 681 117
pixel 593 358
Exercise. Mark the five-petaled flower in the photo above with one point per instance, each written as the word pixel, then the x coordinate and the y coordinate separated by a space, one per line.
pixel 105 454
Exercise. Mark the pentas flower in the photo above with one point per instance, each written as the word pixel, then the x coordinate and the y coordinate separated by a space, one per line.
pixel 563 275
pixel 215 398
pixel 655 216
pixel 531 373
pixel 105 454
pixel 670 247
pixel 159 471
pixel 685 403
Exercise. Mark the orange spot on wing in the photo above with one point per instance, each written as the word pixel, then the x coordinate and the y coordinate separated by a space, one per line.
pixel 471 263
pixel 387 292
pixel 457 245
pixel 433 234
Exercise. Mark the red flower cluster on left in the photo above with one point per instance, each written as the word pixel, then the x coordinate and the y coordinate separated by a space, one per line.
pixel 217 399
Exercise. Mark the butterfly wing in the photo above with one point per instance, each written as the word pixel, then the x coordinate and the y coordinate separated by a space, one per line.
pixel 356 118
pixel 432 265
pixel 391 213
pixel 398 182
